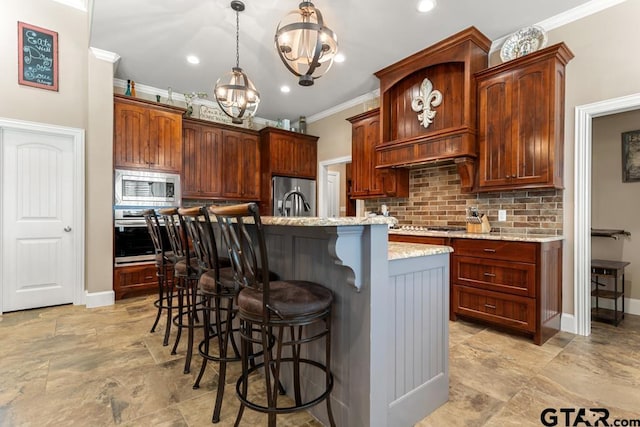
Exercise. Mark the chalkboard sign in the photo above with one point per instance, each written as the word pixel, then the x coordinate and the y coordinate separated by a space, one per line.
pixel 37 57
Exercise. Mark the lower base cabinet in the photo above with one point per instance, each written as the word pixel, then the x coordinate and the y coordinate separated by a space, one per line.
pixel 134 280
pixel 511 285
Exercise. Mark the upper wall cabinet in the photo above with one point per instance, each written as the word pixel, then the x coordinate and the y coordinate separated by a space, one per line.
pixel 285 153
pixel 367 181
pixel 220 162
pixel 147 135
pixel 428 105
pixel 521 121
pixel 288 153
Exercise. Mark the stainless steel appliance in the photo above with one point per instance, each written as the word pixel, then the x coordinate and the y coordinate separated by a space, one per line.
pixel 135 192
pixel 293 196
pixel 146 189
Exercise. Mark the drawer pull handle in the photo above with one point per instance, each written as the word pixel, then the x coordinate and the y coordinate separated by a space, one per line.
pixel 489 250
pixel 490 306
pixel 489 274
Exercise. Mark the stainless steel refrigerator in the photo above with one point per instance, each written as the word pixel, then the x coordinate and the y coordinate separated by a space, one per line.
pixel 293 196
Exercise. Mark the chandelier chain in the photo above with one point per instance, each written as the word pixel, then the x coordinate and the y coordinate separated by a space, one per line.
pixel 237 39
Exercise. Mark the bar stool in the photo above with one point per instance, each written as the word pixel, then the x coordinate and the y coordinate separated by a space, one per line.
pixel 218 290
pixel 165 261
pixel 186 275
pixel 271 307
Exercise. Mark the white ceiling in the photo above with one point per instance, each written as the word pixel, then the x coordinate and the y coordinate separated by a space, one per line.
pixel 153 38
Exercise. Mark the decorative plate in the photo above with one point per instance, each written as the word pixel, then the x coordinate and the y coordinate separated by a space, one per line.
pixel 523 42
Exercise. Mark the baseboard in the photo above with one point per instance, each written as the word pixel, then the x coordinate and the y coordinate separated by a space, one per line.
pixel 99 299
pixel 631 305
pixel 568 323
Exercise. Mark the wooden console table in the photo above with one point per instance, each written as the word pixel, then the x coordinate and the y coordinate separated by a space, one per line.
pixel 601 269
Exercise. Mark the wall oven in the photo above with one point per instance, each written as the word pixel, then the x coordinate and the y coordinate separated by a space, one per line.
pixel 135 192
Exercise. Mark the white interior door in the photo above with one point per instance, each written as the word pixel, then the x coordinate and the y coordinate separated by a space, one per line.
pixel 37 218
pixel 333 194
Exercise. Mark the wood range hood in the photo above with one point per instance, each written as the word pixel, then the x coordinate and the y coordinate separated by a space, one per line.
pixel 450 132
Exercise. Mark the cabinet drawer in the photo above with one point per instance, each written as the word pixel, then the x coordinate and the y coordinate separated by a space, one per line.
pixel 503 276
pixel 496 249
pixel 501 309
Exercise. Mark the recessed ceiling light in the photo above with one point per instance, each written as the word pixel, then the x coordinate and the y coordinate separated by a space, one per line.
pixel 426 5
pixel 285 89
pixel 339 58
pixel 192 59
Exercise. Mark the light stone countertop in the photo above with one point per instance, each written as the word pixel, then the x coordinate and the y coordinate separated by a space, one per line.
pixel 306 221
pixel 399 250
pixel 487 236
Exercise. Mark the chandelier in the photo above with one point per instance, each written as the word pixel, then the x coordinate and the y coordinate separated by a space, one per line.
pixel 235 93
pixel 305 44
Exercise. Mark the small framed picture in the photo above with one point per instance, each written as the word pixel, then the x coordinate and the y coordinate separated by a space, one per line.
pixel 631 156
pixel 37 57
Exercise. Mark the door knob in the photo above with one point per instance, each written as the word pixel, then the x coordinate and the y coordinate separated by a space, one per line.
pixel 67 229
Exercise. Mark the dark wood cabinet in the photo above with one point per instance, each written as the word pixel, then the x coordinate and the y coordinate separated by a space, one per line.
pixel 521 121
pixel 202 160
pixel 289 153
pixel 147 135
pixel 220 162
pixel 285 153
pixel 515 285
pixel 134 280
pixel 367 181
pixel 240 166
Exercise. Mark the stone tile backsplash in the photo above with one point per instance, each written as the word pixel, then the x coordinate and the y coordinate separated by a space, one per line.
pixel 435 198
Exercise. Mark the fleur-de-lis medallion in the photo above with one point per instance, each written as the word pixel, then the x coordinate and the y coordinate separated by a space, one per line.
pixel 422 103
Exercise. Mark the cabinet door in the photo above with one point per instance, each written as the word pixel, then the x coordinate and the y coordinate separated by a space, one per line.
pixel 202 160
pixel 532 142
pixel 165 141
pixel 130 139
pixel 306 155
pixel 281 151
pixel 359 162
pixel 495 131
pixel 372 140
pixel 240 166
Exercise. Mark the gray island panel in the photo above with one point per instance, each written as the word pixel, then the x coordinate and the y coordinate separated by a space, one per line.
pixel 389 322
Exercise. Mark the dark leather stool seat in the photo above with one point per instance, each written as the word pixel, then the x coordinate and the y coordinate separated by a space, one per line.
pixel 290 299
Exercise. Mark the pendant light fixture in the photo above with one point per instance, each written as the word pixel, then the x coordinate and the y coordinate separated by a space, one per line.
pixel 305 44
pixel 235 93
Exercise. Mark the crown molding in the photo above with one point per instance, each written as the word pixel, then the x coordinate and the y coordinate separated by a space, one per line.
pixel 105 55
pixel 176 96
pixel 77 4
pixel 341 107
pixel 564 18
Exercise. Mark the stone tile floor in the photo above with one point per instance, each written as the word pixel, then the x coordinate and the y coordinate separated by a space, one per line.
pixel 72 366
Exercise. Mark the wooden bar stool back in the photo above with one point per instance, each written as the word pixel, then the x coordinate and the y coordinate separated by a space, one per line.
pixel 271 308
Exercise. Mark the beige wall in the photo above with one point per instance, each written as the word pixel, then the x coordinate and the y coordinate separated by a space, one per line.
pixel 83 100
pixel 68 106
pixel 604 67
pixel 335 134
pixel 615 204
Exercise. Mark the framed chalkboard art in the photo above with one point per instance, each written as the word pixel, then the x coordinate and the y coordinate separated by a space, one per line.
pixel 631 156
pixel 37 57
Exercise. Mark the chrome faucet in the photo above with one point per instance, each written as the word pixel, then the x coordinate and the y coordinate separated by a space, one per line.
pixel 294 194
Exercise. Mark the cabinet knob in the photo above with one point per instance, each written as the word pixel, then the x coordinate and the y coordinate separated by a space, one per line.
pixel 507 176
pixel 489 275
pixel 491 306
pixel 489 250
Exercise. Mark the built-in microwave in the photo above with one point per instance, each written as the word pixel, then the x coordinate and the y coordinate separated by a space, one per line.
pixel 146 189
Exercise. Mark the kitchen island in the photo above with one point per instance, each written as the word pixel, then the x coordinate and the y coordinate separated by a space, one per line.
pixel 390 328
